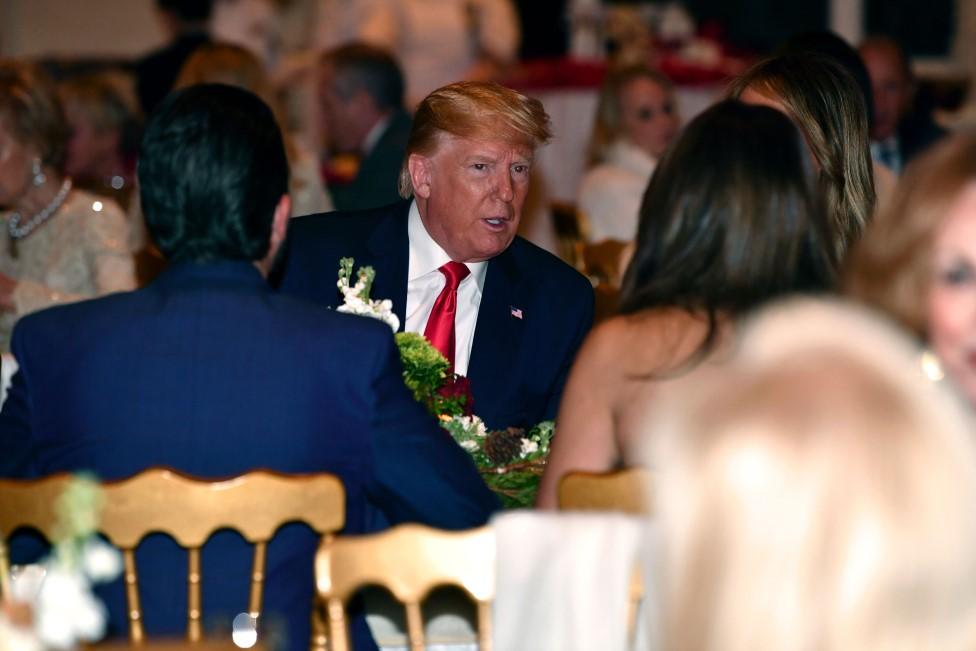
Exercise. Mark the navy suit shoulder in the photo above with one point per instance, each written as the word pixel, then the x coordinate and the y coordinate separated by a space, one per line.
pixel 310 262
pixel 534 315
pixel 556 274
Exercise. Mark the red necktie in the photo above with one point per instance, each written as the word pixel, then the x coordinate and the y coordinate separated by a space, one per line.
pixel 440 324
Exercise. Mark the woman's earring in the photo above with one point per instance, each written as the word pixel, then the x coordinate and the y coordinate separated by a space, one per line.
pixel 38 173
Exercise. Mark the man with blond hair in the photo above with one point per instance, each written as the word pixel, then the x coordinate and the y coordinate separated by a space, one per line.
pixel 507 314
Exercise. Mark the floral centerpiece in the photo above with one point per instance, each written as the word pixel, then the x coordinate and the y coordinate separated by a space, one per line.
pixel 51 605
pixel 510 460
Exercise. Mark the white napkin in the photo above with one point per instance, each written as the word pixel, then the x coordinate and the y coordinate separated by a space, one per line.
pixel 563 580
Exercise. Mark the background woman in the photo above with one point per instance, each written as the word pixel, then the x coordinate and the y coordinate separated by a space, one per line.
pixel 636 120
pixel 815 493
pixel 58 244
pixel 826 104
pixel 744 228
pixel 917 261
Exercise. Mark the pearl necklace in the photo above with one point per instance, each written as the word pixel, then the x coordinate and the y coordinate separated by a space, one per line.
pixel 13 223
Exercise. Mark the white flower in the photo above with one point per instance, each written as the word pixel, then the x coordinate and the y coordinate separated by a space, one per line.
pixel 101 562
pixel 26 582
pixel 482 430
pixel 529 447
pixel 66 610
pixel 469 445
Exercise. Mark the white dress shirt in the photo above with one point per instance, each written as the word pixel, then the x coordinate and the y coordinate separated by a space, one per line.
pixel 424 285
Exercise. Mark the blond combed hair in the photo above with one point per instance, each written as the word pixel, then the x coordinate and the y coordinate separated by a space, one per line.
pixel 474 110
pixel 891 268
pixel 817 493
pixel 828 106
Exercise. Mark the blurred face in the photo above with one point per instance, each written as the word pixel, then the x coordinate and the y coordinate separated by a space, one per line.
pixel 344 117
pixel 86 148
pixel 648 115
pixel 15 166
pixel 952 294
pixel 891 89
pixel 470 194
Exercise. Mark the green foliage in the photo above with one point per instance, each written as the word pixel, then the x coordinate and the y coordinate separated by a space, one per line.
pixel 77 509
pixel 424 367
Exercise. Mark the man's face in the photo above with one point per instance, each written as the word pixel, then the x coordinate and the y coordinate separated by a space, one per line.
pixel 470 194
pixel 891 89
pixel 344 120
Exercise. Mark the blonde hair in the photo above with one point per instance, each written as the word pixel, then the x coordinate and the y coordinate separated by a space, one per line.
pixel 474 109
pixel 828 106
pixel 29 102
pixel 107 100
pixel 233 65
pixel 225 63
pixel 608 125
pixel 817 493
pixel 891 268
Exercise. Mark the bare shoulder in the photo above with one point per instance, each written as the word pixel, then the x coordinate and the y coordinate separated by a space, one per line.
pixel 644 342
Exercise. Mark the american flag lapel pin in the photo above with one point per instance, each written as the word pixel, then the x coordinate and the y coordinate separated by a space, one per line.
pixel 516 312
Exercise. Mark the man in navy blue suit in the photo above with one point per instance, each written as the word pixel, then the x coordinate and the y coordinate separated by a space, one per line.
pixel 209 372
pixel 507 314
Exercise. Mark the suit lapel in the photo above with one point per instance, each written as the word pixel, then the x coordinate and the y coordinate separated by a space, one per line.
pixel 497 335
pixel 389 251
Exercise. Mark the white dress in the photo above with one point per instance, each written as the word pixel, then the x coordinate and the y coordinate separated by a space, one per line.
pixel 610 194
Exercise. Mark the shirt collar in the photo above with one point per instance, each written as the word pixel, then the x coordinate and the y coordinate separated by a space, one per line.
pixel 427 256
pixel 376 133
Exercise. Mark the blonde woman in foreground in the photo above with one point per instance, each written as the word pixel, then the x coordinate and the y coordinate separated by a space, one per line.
pixel 816 493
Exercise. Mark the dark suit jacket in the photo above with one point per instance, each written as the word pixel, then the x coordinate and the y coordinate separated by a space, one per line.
pixel 207 371
pixel 376 181
pixel 518 363
pixel 916 133
pixel 157 71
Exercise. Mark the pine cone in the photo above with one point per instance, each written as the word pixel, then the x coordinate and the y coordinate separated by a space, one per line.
pixel 503 445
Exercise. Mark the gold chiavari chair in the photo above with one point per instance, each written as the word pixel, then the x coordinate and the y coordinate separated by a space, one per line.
pixel 622 490
pixel 626 491
pixel 190 511
pixel 602 261
pixel 28 504
pixel 409 560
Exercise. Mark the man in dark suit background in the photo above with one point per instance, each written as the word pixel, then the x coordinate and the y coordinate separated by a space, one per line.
pixel 361 93
pixel 900 130
pixel 519 314
pixel 187 22
pixel 209 372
